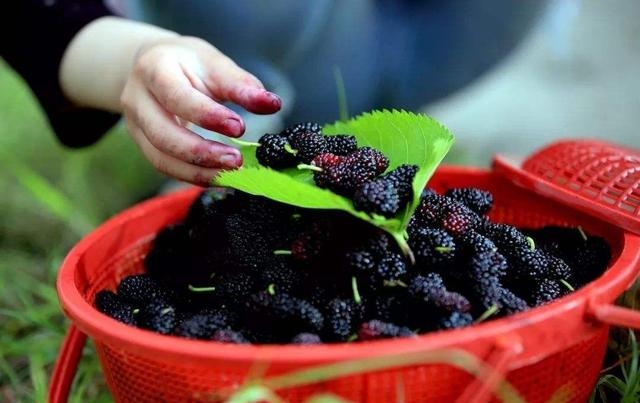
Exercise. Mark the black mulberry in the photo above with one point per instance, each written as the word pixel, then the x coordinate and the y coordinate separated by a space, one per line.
pixel 546 291
pixel 392 269
pixel 378 196
pixel 360 261
pixel 370 158
pixel 201 325
pixel 376 329
pixel 430 288
pixel 112 305
pixel 341 144
pixel 307 146
pixel 273 152
pixel 345 177
pixel 158 316
pixel 458 219
pixel 488 264
pixel 456 320
pixel 326 160
pixel 305 127
pixel 507 237
pixel 280 314
pixel 402 179
pixel 432 247
pixel 473 243
pixel 229 336
pixel 306 338
pixel 478 200
pixel 341 318
pixel 140 289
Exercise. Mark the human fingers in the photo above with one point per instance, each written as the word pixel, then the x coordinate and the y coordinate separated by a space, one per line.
pixel 162 130
pixel 171 86
pixel 229 82
pixel 169 165
pixel 256 100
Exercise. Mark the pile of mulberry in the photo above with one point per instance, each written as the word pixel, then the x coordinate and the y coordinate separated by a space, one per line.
pixel 244 269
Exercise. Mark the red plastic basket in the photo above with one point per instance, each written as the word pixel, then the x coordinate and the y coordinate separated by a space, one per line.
pixel 557 348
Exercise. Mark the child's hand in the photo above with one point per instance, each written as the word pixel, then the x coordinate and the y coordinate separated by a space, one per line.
pixel 183 79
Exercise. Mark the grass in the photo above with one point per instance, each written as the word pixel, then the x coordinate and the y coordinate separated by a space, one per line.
pixel 53 196
pixel 620 382
pixel 33 327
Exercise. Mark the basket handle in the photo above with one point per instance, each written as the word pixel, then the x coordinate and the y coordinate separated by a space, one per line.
pixel 66 365
pixel 614 315
pixel 482 389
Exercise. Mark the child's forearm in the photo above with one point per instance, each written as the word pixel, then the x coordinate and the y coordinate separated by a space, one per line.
pixel 97 62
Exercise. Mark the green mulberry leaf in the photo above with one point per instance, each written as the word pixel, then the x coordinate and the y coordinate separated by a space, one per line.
pixel 404 137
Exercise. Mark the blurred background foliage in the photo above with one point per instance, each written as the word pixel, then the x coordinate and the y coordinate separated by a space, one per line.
pixel 49 198
pixel 93 183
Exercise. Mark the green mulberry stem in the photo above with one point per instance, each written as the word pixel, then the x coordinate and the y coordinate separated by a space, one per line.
pixel 201 289
pixel 582 233
pixel 566 284
pixel 404 246
pixel 356 294
pixel 488 313
pixel 245 143
pixel 282 252
pixel 531 242
pixel 290 150
pixel 309 167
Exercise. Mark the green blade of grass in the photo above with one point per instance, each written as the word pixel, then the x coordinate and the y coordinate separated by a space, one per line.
pixel 614 383
pixel 632 378
pixel 326 398
pixel 7 371
pixel 254 394
pixel 454 357
pixel 56 202
pixel 38 378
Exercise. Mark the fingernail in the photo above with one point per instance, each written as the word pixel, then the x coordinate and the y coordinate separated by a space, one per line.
pixel 230 160
pixel 233 126
pixel 275 100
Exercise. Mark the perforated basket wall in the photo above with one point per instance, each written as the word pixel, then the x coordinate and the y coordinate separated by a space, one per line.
pixel 597 177
pixel 556 348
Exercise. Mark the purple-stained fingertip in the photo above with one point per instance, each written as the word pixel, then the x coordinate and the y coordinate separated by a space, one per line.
pixel 233 127
pixel 275 100
pixel 231 160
